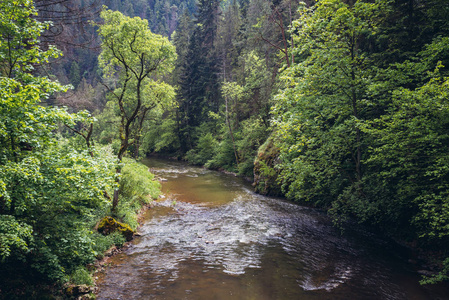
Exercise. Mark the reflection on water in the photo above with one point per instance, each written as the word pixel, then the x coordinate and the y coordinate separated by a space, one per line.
pixel 212 238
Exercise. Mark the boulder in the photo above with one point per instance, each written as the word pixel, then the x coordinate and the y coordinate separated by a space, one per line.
pixel 79 290
pixel 108 225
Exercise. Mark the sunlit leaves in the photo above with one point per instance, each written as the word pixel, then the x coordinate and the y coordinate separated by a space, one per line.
pixel 127 43
pixel 135 58
pixel 23 120
pixel 19 33
pixel 411 149
pixel 48 189
pixel 339 102
pixel 325 95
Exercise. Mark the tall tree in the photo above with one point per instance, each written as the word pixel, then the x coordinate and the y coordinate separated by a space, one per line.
pixel 199 86
pixel 133 54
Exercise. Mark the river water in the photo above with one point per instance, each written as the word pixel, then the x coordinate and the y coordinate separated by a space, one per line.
pixel 211 237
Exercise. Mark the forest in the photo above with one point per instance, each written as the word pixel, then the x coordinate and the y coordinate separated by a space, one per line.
pixel 341 105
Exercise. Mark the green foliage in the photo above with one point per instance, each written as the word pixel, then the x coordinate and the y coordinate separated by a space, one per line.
pixel 224 156
pixel 266 169
pixel 240 126
pixel 441 276
pixel 15 238
pixel 62 204
pixel 21 31
pixel 81 276
pixel 162 16
pixel 221 41
pixel 198 82
pixel 137 183
pixel 161 136
pixel 252 135
pixel 133 59
pixel 107 130
pixel 204 150
pixel 362 134
pixel 325 96
pixel 66 195
pixel 104 242
pixel 411 150
pixel 137 188
pixel 126 40
pixel 51 190
pixel 74 75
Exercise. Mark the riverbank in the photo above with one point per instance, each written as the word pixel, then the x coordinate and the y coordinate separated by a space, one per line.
pixel 101 265
pixel 137 189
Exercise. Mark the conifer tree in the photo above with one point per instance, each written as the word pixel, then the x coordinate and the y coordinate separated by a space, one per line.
pixel 199 82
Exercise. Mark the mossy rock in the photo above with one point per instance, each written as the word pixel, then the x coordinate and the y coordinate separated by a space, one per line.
pixel 109 225
pixel 265 173
pixel 79 290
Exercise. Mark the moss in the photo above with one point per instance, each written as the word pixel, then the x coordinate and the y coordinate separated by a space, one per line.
pixel 69 290
pixel 80 292
pixel 109 225
pixel 265 173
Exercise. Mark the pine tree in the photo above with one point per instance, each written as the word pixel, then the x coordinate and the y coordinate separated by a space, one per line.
pixel 199 88
pixel 74 76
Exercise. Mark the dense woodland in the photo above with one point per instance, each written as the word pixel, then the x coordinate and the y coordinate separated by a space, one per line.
pixel 337 104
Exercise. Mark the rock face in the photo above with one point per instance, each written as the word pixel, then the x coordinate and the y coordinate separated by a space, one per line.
pixel 265 173
pixel 108 225
pixel 80 292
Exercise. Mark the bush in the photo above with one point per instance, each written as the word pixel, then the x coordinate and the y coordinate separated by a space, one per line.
pixel 104 242
pixel 161 136
pixel 224 156
pixel 81 276
pixel 64 202
pixel 137 188
pixel 253 134
pixel 204 150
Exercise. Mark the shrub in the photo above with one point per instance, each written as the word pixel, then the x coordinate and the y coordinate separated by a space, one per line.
pixel 204 150
pixel 137 188
pixel 81 276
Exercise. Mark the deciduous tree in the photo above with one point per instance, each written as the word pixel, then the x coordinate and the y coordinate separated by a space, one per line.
pixel 47 187
pixel 133 55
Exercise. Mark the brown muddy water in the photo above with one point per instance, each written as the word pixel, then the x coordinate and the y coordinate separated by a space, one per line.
pixel 211 238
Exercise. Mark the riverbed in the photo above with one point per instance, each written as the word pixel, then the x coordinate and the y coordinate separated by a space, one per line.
pixel 211 237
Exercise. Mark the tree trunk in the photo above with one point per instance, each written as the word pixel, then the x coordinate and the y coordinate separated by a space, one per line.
pixel 358 157
pixel 137 146
pixel 231 133
pixel 124 138
pixel 115 198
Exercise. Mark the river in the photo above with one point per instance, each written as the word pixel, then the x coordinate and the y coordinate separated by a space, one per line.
pixel 211 237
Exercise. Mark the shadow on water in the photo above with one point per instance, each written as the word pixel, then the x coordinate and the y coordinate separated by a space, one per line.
pixel 211 237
